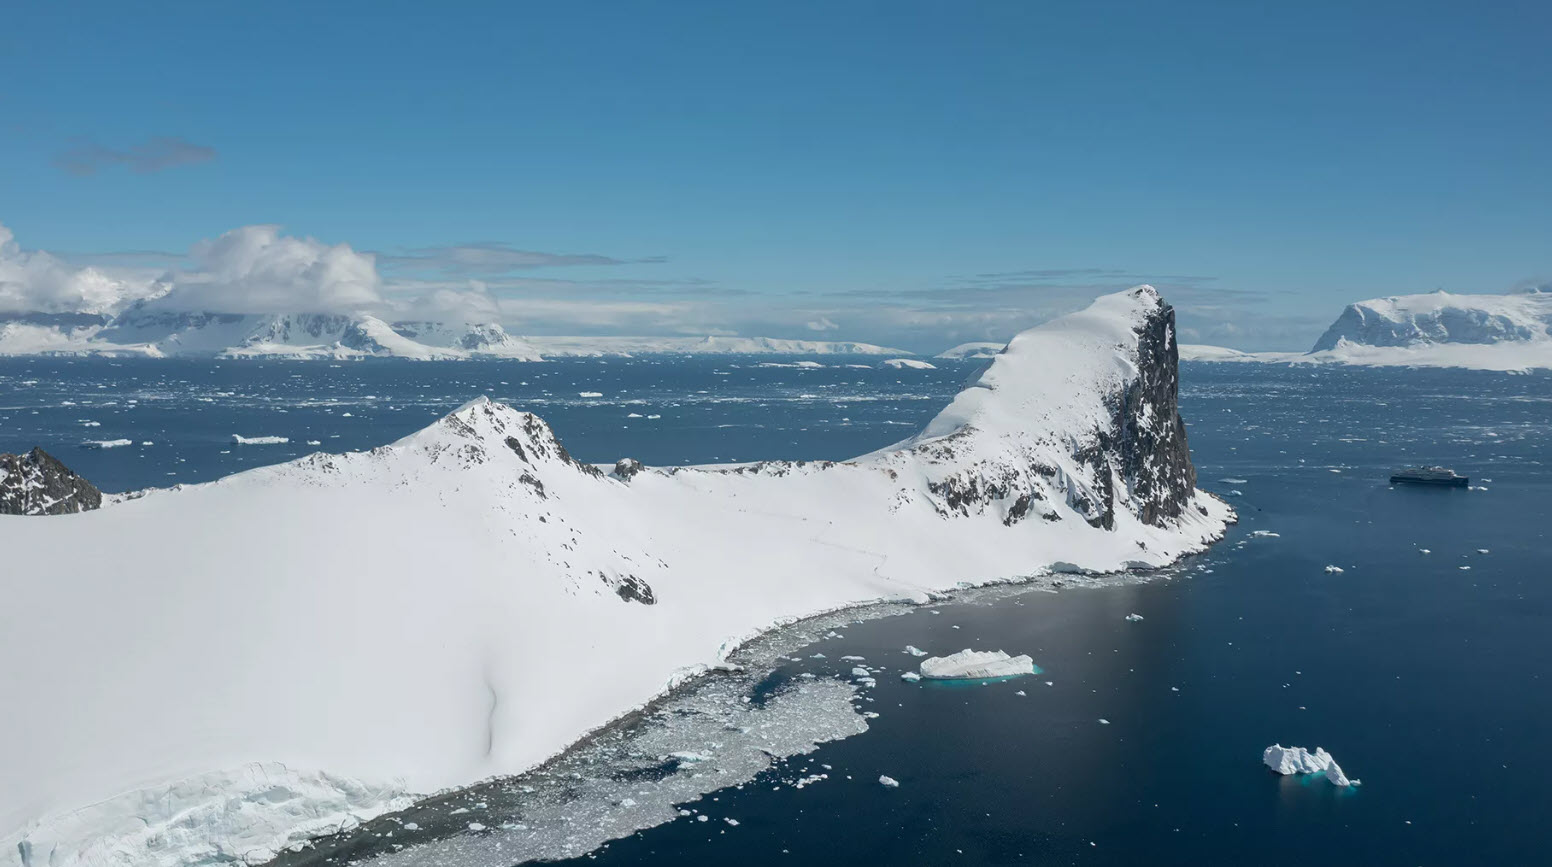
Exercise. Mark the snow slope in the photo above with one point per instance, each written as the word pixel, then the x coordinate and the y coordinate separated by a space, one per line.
pixel 553 347
pixel 467 601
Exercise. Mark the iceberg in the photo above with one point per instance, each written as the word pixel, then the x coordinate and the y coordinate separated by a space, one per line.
pixel 972 665
pixel 1298 760
pixel 241 440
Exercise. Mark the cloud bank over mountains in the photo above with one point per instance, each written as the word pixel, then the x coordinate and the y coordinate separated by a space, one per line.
pixel 260 269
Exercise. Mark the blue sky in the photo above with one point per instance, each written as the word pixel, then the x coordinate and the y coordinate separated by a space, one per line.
pixel 910 173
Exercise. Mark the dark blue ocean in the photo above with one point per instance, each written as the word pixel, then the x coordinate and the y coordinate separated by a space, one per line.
pixel 1423 665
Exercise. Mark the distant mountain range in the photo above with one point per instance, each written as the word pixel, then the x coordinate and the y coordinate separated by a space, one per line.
pixel 1437 329
pixel 151 331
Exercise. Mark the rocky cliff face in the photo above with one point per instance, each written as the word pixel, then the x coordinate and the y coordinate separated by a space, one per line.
pixel 1111 439
pixel 38 484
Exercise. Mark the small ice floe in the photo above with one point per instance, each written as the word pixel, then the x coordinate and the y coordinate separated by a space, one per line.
pixel 888 782
pixel 1021 692
pixel 914 650
pixel 1103 721
pixel 1424 551
pixel 1234 481
pixel 106 444
pixel 1481 550
pixel 912 363
pixel 731 821
pixel 853 658
pixel 590 394
pixel 1298 760
pixel 859 671
pixel 687 757
pixel 972 665
pixel 1266 534
pixel 241 440
pixel 476 827
pixel 910 676
pixel 1335 570
pixel 1134 617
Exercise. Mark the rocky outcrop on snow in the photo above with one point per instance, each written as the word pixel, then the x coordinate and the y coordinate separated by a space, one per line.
pixel 38 484
pixel 487 572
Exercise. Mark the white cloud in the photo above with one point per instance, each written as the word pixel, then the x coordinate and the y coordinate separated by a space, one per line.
pixel 33 281
pixel 823 323
pixel 255 269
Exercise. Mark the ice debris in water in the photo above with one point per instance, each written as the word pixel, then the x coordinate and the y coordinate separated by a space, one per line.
pixel 241 440
pixel 1134 617
pixel 623 780
pixel 1298 760
pixel 888 782
pixel 971 664
pixel 1334 569
pixel 914 650
pixel 910 676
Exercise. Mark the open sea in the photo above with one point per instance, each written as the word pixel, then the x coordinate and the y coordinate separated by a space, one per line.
pixel 1408 631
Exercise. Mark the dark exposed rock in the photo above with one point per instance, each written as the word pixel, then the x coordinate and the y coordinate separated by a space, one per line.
pixel 632 589
pixel 626 469
pixel 38 484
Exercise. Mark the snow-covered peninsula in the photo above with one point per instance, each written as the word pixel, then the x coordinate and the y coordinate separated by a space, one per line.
pixel 1437 329
pixel 234 666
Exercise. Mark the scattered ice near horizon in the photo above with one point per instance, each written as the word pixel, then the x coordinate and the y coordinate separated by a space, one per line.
pixel 590 394
pixel 1298 760
pixel 972 665
pixel 107 444
pixel 241 440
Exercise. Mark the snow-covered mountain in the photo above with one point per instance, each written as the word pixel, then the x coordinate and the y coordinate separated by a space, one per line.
pixel 978 349
pixel 1441 317
pixel 1437 329
pixel 233 666
pixel 149 330
pixel 555 347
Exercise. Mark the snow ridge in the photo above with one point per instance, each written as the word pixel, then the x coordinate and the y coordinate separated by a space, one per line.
pixel 390 618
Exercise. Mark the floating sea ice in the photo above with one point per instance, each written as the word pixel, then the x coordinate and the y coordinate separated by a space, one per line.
pixel 1103 721
pixel 1334 569
pixel 241 440
pixel 915 651
pixel 476 827
pixel 888 782
pixel 1266 534
pixel 910 676
pixel 853 658
pixel 1481 550
pixel 1298 760
pixel 1424 551
pixel 859 671
pixel 971 664
pixel 1134 617
pixel 590 394
pixel 1021 692
pixel 106 444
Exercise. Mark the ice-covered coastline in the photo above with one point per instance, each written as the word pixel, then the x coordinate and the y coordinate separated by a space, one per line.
pixel 479 542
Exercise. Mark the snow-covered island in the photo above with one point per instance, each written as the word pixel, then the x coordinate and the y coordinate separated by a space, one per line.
pixel 1438 329
pixel 213 672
